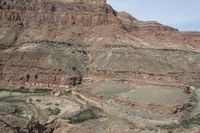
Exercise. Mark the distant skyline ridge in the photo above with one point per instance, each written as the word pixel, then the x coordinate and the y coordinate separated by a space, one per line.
pixel 181 14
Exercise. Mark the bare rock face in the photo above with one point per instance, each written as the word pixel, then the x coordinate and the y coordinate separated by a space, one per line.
pixel 69 13
pixel 37 65
pixel 107 71
pixel 96 36
pixel 35 20
pixel 156 35
pixel 70 21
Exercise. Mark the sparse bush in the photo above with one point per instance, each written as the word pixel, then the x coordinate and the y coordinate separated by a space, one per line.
pixel 57 104
pixel 54 111
pixel 38 100
pixel 49 104
pixel 87 114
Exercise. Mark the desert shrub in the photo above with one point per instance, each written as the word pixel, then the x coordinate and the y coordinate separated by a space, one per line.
pixel 54 111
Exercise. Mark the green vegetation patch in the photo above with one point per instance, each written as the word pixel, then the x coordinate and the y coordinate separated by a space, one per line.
pixel 196 85
pixel 24 90
pixel 12 99
pixel 54 111
pixel 86 114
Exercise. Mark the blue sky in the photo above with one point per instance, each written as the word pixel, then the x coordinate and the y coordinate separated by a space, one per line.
pixel 181 14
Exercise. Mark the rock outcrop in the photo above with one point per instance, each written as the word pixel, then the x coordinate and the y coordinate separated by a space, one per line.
pixel 155 35
pixel 80 66
pixel 38 65
pixel 43 19
pixel 64 13
pixel 89 29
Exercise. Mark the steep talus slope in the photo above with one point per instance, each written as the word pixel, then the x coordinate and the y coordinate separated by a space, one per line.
pixel 25 22
pixel 167 65
pixel 42 64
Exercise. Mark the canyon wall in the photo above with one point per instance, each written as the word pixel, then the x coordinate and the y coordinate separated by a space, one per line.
pixel 57 43
pixel 40 12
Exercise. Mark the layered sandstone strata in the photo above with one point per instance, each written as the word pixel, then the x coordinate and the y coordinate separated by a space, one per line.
pixel 38 65
pixel 67 13
pixel 115 73
pixel 155 35
pixel 96 36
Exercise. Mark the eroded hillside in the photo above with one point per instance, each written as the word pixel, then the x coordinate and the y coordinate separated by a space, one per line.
pixel 80 66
